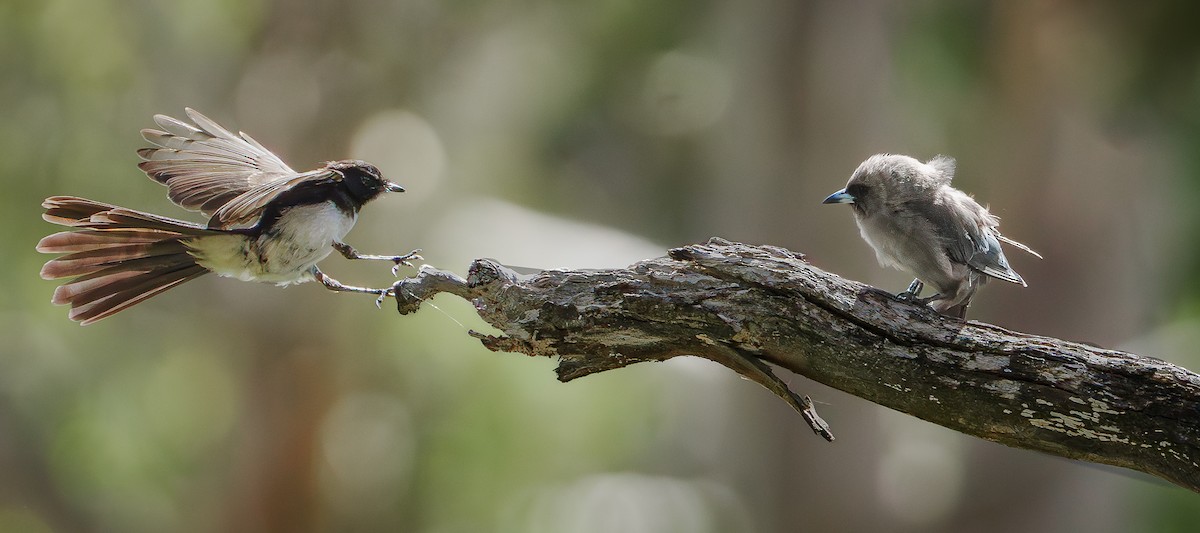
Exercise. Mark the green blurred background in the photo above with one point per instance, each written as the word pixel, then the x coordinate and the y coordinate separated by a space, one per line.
pixel 578 134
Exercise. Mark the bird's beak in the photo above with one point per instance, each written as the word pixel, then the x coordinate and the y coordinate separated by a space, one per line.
pixel 840 197
pixel 393 187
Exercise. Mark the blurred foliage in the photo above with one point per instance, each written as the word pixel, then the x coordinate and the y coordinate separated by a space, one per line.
pixel 548 134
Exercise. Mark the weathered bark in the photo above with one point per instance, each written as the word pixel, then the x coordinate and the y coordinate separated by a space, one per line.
pixel 744 305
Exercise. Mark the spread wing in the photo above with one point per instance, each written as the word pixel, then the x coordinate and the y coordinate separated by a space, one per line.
pixel 245 210
pixel 205 166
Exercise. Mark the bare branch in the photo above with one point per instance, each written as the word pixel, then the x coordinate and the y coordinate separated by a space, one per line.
pixel 744 306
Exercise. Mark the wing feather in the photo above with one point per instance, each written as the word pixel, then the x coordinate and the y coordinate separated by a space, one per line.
pixel 971 236
pixel 246 209
pixel 204 165
pixel 989 258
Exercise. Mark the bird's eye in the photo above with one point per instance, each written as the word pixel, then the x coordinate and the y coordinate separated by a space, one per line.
pixel 856 190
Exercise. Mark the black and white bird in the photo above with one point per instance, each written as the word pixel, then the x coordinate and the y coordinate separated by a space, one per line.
pixel 266 223
pixel 915 221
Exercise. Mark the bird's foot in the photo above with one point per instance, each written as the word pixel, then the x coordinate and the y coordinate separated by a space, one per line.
pixel 913 291
pixel 911 294
pixel 404 260
pixel 383 294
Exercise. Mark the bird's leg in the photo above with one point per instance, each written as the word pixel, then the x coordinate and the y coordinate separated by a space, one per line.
pixel 958 311
pixel 349 252
pixel 910 295
pixel 914 290
pixel 337 286
pixel 928 300
pixel 938 303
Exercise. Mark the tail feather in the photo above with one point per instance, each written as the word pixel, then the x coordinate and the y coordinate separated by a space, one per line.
pixel 85 240
pixel 130 257
pixel 118 257
pixel 132 290
pixel 75 292
pixel 70 210
pixel 83 213
pixel 112 281
pixel 1018 245
pixel 128 218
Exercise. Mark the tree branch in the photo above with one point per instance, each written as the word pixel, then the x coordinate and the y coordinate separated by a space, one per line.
pixel 744 306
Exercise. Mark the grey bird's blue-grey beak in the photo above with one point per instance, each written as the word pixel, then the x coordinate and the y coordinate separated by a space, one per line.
pixel 840 197
pixel 392 187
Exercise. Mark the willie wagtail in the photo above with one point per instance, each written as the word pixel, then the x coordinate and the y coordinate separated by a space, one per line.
pixel 266 223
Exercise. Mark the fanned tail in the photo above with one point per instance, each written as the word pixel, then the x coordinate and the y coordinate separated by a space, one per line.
pixel 118 256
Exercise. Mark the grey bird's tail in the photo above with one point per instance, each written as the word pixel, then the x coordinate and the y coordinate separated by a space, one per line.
pixel 118 257
pixel 1018 245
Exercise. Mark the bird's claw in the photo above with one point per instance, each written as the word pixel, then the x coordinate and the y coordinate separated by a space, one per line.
pixel 405 260
pixel 383 294
pixel 911 298
pixel 913 292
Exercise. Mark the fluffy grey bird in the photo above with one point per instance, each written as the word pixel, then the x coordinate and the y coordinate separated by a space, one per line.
pixel 908 212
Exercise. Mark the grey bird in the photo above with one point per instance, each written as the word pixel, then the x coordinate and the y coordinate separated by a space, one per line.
pixel 917 222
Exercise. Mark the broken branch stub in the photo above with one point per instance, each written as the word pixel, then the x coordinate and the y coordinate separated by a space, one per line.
pixel 744 306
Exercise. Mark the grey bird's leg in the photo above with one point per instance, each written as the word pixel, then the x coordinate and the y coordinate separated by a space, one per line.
pixel 349 252
pixel 958 311
pixel 914 290
pixel 337 286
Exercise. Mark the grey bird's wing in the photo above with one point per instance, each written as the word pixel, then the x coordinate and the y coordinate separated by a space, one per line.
pixel 204 165
pixel 970 236
pixel 989 258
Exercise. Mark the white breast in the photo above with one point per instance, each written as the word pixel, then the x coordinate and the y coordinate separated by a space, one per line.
pixel 883 240
pixel 300 238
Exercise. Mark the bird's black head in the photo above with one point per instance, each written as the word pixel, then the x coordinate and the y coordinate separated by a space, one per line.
pixel 363 181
